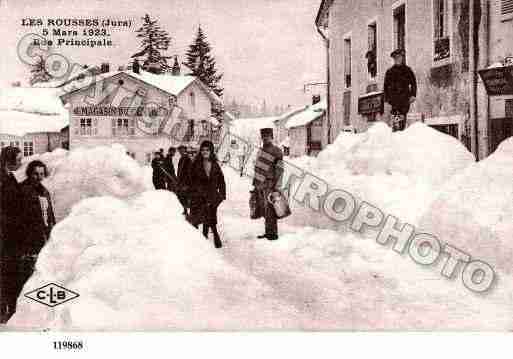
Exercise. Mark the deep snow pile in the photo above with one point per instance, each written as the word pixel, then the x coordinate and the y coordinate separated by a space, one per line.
pixel 84 173
pixel 474 210
pixel 138 265
pixel 399 172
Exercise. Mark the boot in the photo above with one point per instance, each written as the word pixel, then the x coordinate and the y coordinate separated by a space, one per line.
pixel 217 240
pixel 205 231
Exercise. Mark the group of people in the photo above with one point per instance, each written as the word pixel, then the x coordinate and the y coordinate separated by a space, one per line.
pixel 26 220
pixel 200 186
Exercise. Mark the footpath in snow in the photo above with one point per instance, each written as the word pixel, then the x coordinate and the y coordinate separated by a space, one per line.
pixel 138 265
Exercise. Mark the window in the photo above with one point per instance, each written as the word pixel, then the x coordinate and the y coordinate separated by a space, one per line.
pixel 15 144
pixel 192 97
pixel 123 126
pixel 347 62
pixel 88 127
pixel 28 148
pixel 372 52
pixel 400 27
pixel 2 144
pixel 441 43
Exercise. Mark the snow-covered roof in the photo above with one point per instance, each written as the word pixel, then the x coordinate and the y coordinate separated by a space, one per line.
pixel 308 115
pixel 169 83
pixel 166 82
pixel 32 100
pixel 289 113
pixel 249 128
pixel 20 123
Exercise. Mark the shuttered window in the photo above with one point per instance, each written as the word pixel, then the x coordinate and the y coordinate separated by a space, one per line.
pixel 506 7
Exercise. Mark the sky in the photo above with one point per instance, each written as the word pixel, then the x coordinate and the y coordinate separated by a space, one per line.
pixel 267 49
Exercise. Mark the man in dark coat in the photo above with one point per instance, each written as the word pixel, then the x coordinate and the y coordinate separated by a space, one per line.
pixel 268 171
pixel 159 179
pixel 169 168
pixel 38 219
pixel 400 88
pixel 10 229
pixel 184 178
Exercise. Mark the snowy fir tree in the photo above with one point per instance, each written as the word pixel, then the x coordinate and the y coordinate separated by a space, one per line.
pixel 38 72
pixel 154 40
pixel 203 65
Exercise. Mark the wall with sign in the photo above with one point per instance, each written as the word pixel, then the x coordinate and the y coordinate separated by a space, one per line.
pixel 137 115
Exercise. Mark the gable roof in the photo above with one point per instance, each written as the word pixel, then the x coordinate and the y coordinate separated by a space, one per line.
pixel 309 114
pixel 173 85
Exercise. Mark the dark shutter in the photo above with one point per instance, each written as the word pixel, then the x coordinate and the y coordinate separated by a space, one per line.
pixel 506 7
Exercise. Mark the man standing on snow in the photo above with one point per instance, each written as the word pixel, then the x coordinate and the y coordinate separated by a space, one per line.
pixel 400 89
pixel 268 171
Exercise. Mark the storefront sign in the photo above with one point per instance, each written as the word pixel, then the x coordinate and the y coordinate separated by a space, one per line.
pixel 369 104
pixel 498 80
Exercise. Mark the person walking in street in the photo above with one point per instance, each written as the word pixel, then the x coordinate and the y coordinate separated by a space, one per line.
pixel 159 180
pixel 208 190
pixel 169 168
pixel 400 89
pixel 268 171
pixel 10 229
pixel 184 178
pixel 38 219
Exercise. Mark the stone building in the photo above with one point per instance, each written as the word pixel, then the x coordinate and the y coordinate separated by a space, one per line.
pixel 446 42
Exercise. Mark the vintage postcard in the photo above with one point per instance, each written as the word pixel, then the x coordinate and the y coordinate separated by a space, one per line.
pixel 228 165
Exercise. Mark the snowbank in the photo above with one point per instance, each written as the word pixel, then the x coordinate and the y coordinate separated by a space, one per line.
pixel 474 210
pixel 400 172
pixel 84 173
pixel 138 265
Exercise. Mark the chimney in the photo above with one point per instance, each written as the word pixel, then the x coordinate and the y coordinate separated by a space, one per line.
pixel 316 99
pixel 176 67
pixel 105 67
pixel 136 68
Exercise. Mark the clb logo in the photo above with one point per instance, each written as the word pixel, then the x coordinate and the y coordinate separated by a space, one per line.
pixel 51 295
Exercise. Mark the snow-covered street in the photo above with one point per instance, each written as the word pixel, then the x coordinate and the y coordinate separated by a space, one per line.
pixel 138 265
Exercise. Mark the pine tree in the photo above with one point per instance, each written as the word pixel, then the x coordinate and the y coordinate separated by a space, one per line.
pixel 38 72
pixel 202 64
pixel 154 42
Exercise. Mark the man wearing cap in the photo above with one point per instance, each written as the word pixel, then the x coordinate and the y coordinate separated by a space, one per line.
pixel 268 171
pixel 400 87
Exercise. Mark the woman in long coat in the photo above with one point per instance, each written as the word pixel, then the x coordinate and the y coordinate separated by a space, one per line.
pixel 38 218
pixel 208 190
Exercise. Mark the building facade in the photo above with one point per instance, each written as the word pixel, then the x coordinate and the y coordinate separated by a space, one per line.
pixel 446 42
pixel 144 112
pixel 33 143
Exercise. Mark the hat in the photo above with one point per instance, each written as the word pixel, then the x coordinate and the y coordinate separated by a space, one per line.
pixel 266 132
pixel 397 52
